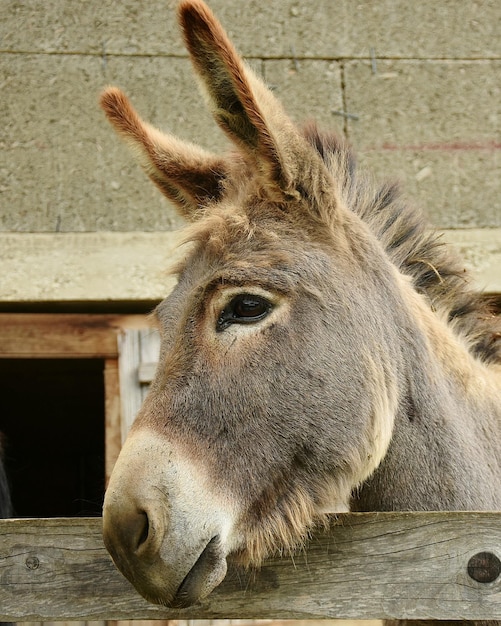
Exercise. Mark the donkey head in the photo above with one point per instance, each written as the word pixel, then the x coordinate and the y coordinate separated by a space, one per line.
pixel 275 393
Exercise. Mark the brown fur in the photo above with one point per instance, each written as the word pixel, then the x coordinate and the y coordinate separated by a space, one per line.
pixel 372 381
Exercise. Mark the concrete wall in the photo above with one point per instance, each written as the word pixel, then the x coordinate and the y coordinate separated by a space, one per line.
pixel 420 82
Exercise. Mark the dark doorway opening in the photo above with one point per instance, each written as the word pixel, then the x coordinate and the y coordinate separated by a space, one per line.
pixel 52 416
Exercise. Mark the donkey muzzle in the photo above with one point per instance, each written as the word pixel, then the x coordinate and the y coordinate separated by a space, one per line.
pixel 162 525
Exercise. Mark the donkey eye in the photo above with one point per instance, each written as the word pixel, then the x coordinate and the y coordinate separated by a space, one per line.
pixel 245 308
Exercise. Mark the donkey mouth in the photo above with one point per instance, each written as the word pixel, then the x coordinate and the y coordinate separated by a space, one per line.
pixel 208 571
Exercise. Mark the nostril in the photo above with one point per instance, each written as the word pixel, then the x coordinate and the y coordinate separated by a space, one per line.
pixel 144 529
pixel 128 532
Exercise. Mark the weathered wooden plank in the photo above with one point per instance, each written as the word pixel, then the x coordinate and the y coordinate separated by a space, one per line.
pixel 131 397
pixel 367 566
pixel 147 371
pixel 38 335
pixel 136 347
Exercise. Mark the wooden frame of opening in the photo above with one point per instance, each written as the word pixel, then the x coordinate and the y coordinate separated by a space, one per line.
pixel 79 336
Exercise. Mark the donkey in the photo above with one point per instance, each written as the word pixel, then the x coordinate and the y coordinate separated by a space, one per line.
pixel 321 352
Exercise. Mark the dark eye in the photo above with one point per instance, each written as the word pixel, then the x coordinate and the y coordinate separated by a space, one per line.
pixel 245 308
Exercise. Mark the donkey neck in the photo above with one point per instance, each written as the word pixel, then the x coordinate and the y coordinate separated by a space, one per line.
pixel 444 452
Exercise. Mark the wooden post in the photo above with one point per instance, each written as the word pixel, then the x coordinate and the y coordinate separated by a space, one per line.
pixel 111 415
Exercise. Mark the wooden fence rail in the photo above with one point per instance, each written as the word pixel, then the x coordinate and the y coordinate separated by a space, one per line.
pixel 367 566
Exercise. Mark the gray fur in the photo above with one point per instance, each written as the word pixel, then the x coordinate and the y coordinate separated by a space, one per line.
pixel 371 381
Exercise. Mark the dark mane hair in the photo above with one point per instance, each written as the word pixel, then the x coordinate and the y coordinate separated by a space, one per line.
pixel 415 248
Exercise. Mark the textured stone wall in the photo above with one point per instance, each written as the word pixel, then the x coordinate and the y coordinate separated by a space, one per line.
pixel 420 82
pixel 414 86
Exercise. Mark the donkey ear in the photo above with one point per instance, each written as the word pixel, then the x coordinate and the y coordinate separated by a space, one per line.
pixel 240 102
pixel 186 174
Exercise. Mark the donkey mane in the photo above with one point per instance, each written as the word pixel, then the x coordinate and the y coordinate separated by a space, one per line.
pixel 414 247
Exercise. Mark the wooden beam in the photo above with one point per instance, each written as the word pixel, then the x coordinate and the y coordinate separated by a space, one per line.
pixel 367 566
pixel 480 249
pixel 25 335
pixel 80 267
pixel 105 266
